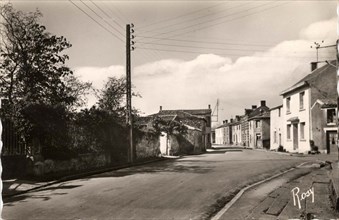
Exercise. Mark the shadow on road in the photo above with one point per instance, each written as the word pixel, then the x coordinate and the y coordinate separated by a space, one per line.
pixel 181 166
pixel 43 194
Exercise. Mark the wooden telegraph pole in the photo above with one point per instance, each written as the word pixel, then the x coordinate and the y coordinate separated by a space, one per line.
pixel 129 116
pixel 337 63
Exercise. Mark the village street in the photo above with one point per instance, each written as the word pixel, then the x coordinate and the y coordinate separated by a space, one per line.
pixel 190 187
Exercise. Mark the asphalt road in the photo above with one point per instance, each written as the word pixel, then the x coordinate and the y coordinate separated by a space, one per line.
pixel 188 188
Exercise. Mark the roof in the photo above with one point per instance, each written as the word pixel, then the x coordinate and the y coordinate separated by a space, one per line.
pixel 259 111
pixel 310 78
pixel 263 115
pixel 328 103
pixel 189 111
pixel 277 107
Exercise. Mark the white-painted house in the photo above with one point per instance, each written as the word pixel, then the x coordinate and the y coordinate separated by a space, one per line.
pixel 276 127
pixel 304 114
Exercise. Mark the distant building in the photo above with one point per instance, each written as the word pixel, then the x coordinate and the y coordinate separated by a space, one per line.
pixel 259 127
pixel 236 131
pixel 245 126
pixel 202 113
pixel 310 111
pixel 197 122
pixel 276 127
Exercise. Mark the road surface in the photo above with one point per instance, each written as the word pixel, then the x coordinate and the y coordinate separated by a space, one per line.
pixel 192 187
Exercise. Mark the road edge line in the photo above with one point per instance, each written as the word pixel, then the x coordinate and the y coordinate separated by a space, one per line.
pixel 239 194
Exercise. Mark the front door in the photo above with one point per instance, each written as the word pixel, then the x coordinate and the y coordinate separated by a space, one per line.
pixel 257 141
pixel 331 142
pixel 295 136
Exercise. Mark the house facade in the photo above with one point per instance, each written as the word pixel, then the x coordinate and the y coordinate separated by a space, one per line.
pixel 245 126
pixel 276 127
pixel 236 131
pixel 259 127
pixel 223 133
pixel 220 134
pixel 309 109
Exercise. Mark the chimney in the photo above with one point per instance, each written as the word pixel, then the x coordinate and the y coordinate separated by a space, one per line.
pixel 247 111
pixel 262 103
pixel 226 121
pixel 314 65
pixel 237 117
pixel 254 106
pixel 231 120
pixel 160 108
pixel 209 106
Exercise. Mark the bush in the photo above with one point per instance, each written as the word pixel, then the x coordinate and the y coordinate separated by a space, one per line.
pixel 314 148
pixel 62 153
pixel 281 149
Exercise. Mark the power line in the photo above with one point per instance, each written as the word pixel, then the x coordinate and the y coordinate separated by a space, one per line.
pixel 106 13
pixel 227 20
pixel 211 20
pixel 96 21
pixel 205 42
pixel 228 54
pixel 101 18
pixel 217 48
pixel 194 19
pixel 180 16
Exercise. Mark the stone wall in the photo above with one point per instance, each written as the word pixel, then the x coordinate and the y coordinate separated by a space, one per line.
pixel 82 162
pixel 147 146
pixel 190 143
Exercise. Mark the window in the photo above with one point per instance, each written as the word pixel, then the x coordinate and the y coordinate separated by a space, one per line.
pixel 275 136
pixel 288 132
pixel 279 113
pixel 288 103
pixel 331 116
pixel 257 123
pixel 301 100
pixel 302 131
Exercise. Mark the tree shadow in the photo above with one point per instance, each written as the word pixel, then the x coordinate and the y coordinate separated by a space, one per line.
pixel 43 194
pixel 181 166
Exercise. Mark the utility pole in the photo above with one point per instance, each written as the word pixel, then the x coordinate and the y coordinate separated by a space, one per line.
pixel 337 64
pixel 129 116
pixel 318 46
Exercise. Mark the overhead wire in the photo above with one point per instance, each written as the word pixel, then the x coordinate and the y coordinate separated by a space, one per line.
pixel 102 18
pixel 215 48
pixel 106 14
pixel 206 42
pixel 189 26
pixel 98 23
pixel 180 16
pixel 192 19
pixel 209 26
pixel 228 54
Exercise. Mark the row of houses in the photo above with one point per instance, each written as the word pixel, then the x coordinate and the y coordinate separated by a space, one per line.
pixel 252 129
pixel 306 118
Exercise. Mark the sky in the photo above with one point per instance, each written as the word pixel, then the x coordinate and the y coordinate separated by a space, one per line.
pixel 189 54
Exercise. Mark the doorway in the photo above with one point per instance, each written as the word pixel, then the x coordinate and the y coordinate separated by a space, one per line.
pixel 331 142
pixel 295 136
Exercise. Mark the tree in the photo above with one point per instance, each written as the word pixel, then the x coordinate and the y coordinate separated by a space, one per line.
pixel 32 63
pixel 34 79
pixel 112 98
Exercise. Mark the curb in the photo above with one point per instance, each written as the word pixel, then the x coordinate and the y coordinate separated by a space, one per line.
pixel 239 194
pixel 80 175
